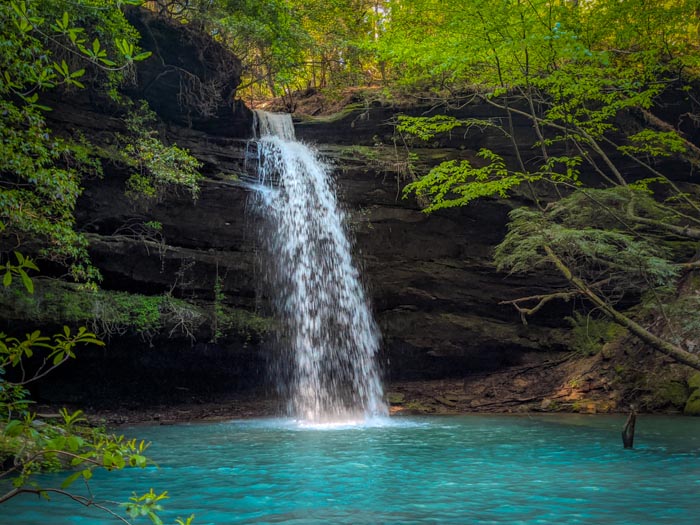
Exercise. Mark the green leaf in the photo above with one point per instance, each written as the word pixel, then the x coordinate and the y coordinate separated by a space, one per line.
pixel 20 8
pixel 28 263
pixel 142 56
pixel 7 279
pixel 74 443
pixel 13 428
pixel 57 443
pixel 71 479
pixel 26 280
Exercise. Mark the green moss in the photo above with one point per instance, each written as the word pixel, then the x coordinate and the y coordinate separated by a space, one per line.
pixel 692 406
pixel 417 406
pixel 672 393
pixel 590 335
pixel 107 312
pixel 243 322
pixel 694 381
pixel 362 153
pixel 620 370
pixel 395 398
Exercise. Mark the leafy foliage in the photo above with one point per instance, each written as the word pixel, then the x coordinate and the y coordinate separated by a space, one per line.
pixel 159 167
pixel 289 45
pixel 19 270
pixel 590 333
pixel 574 72
pixel 52 44
pixel 30 445
pixel 456 183
pixel 107 312
pixel 619 261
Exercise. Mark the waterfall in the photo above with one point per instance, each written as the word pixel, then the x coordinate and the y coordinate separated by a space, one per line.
pixel 328 337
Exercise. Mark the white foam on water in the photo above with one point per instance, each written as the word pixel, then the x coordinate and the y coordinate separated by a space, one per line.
pixel 292 424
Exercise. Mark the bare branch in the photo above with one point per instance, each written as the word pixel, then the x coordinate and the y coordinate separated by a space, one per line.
pixel 85 501
pixel 541 301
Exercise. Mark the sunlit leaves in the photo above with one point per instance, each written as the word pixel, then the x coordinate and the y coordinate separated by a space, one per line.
pixel 456 183
pixel 35 445
pixel 146 505
pixel 128 50
pixel 96 53
pixel 655 143
pixel 426 128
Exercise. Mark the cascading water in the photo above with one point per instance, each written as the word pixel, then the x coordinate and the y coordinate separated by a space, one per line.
pixel 328 334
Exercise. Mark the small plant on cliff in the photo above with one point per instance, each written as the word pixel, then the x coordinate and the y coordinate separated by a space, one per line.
pixel 590 334
pixel 219 312
pixel 158 167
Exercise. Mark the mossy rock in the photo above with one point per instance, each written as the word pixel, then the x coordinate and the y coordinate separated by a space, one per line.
pixel 419 408
pixel 395 398
pixel 692 406
pixel 673 393
pixel 694 382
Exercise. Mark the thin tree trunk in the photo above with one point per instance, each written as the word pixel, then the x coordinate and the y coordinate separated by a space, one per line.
pixel 628 429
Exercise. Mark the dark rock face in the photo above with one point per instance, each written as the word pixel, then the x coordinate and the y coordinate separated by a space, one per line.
pixel 434 289
pixel 190 77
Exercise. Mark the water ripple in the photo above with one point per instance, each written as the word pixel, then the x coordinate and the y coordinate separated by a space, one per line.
pixel 458 470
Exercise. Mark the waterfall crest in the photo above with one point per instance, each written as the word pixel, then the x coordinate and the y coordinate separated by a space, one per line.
pixel 328 336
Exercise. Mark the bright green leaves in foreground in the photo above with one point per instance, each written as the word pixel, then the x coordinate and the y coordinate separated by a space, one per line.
pixel 31 444
pixel 148 505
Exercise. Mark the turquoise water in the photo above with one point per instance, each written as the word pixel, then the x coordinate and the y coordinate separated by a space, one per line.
pixel 453 470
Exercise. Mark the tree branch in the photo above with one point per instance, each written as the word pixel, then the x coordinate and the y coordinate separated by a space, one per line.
pixel 541 301
pixel 86 502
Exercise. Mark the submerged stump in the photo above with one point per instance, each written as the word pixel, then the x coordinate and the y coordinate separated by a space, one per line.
pixel 628 429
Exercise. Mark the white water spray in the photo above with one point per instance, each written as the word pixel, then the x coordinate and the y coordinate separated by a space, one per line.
pixel 328 329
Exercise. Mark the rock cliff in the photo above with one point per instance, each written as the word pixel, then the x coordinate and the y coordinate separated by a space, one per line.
pixel 431 281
